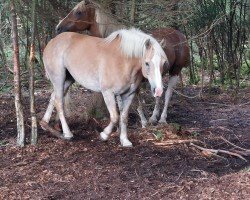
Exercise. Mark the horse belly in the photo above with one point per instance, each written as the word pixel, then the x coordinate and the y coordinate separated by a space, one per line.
pixel 86 78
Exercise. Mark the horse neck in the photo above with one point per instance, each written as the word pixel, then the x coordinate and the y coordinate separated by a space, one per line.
pixel 94 30
pixel 104 25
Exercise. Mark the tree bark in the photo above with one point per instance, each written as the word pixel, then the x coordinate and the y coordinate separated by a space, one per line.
pixel 210 61
pixel 3 56
pixel 132 13
pixel 2 53
pixel 17 81
pixel 31 81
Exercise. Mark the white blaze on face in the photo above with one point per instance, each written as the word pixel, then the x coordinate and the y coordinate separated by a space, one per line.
pixel 157 75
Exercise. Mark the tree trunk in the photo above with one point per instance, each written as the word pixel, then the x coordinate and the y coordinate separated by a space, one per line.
pixel 132 13
pixel 2 53
pixel 191 66
pixel 203 63
pixel 210 61
pixel 3 56
pixel 17 82
pixel 31 81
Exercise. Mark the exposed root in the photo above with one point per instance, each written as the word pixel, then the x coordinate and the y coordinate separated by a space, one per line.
pixel 225 140
pixel 216 151
pixel 173 142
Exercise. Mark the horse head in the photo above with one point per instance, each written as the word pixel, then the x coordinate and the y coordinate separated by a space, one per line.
pixel 152 68
pixel 80 18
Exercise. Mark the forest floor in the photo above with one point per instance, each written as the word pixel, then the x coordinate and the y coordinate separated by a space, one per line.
pixel 162 164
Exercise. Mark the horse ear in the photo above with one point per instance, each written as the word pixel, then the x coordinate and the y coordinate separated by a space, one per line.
pixel 148 44
pixel 87 2
pixel 163 43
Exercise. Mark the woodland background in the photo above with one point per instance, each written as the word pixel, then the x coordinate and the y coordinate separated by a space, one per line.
pixel 203 151
pixel 217 32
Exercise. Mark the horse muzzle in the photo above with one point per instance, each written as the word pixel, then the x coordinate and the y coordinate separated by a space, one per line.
pixel 61 29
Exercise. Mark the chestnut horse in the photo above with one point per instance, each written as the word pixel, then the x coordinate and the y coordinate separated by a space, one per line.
pixel 88 15
pixel 114 66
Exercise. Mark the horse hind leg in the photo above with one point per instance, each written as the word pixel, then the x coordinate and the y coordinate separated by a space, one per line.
pixel 50 108
pixel 171 85
pixel 144 121
pixel 67 99
pixel 61 85
pixel 59 103
pixel 109 99
pixel 156 112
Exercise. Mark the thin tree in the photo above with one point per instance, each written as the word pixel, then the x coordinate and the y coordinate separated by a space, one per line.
pixel 17 82
pixel 2 52
pixel 31 81
pixel 132 13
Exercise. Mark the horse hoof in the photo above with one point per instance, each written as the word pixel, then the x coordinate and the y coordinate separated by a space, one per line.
pixel 152 120
pixel 126 143
pixel 162 121
pixel 44 125
pixel 68 138
pixel 103 136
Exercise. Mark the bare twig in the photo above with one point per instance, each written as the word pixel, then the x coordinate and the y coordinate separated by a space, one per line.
pixel 216 151
pixel 224 139
pixel 243 104
pixel 244 153
pixel 173 142
pixel 190 97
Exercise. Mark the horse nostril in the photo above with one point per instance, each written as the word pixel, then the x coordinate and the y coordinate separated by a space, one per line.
pixel 58 30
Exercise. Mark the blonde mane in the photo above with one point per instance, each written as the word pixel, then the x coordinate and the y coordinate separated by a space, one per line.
pixel 133 42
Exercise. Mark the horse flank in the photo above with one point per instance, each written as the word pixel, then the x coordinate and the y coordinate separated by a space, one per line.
pixel 133 42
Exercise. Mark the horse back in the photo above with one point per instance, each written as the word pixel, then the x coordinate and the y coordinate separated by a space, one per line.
pixel 176 49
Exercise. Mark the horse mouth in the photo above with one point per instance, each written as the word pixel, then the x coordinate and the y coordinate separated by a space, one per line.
pixel 60 30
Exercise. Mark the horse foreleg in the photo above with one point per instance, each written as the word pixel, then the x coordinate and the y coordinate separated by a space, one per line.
pixel 171 84
pixel 140 111
pixel 156 112
pixel 109 99
pixel 127 100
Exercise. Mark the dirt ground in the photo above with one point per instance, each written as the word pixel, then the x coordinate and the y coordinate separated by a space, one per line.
pixel 163 164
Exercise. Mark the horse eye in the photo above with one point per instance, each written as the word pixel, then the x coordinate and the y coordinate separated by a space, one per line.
pixel 78 13
pixel 147 64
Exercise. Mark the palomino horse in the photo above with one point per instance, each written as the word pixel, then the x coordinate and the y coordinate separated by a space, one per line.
pixel 88 15
pixel 113 66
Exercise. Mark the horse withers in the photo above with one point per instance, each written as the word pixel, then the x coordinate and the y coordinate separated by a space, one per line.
pixel 88 15
pixel 114 66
